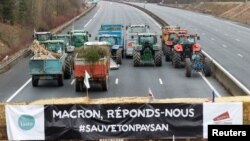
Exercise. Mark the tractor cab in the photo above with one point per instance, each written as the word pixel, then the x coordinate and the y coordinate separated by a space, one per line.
pixel 78 37
pixel 56 46
pixel 147 37
pixel 42 36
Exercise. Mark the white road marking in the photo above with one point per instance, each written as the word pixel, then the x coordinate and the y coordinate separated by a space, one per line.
pixel 237 40
pixel 19 90
pixel 240 55
pixel 116 81
pixel 73 81
pixel 88 23
pixel 95 15
pixel 212 39
pixel 225 46
pixel 160 81
pixel 210 85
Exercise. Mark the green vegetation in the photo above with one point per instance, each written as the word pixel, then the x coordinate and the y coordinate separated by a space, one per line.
pixel 92 53
pixel 18 19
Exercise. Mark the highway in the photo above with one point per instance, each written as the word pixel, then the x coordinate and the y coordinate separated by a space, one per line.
pixel 226 41
pixel 165 81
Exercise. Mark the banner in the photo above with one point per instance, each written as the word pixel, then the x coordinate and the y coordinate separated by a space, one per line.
pixel 133 121
pixel 221 114
pixel 25 122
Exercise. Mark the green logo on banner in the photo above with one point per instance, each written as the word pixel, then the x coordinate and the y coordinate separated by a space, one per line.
pixel 26 122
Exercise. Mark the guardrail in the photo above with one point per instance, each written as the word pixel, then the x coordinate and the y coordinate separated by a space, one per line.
pixel 234 86
pixel 24 52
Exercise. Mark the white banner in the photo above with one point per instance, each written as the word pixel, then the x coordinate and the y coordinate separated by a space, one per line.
pixel 25 122
pixel 221 113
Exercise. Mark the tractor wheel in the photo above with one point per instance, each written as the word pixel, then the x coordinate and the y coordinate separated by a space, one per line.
pixel 119 56
pixel 158 58
pixel 105 84
pixel 136 58
pixel 68 67
pixel 207 67
pixel 188 67
pixel 35 81
pixel 60 80
pixel 168 54
pixel 79 86
pixel 176 59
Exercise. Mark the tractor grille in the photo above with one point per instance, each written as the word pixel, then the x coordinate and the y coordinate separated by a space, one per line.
pixel 187 50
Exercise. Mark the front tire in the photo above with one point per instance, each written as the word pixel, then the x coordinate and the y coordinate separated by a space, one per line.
pixel 136 58
pixel 176 59
pixel 119 56
pixel 188 67
pixel 207 67
pixel 158 58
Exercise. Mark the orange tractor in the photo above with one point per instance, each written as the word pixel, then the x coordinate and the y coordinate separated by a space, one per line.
pixel 169 33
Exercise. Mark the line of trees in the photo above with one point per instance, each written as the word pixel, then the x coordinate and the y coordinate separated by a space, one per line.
pixel 37 13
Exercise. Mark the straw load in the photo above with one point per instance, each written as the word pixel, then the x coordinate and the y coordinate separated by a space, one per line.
pixel 40 52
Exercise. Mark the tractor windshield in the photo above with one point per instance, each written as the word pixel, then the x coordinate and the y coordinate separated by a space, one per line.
pixel 54 47
pixel 150 39
pixel 43 37
pixel 111 40
pixel 139 29
pixel 77 39
pixel 64 38
pixel 186 40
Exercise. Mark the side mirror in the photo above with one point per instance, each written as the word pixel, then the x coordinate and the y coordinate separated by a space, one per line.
pixel 126 27
pixel 96 38
pixel 33 36
pixel 198 37
pixel 147 26
pixel 89 35
pixel 161 36
pixel 87 32
pixel 132 37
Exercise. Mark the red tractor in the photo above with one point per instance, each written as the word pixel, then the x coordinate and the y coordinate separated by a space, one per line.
pixel 188 53
pixel 169 34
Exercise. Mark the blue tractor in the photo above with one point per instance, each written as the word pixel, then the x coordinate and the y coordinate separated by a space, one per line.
pixel 113 33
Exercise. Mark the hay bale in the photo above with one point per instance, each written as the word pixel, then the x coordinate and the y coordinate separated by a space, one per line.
pixel 40 52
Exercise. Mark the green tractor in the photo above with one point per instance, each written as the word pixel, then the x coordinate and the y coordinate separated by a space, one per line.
pixel 78 37
pixel 42 36
pixel 147 52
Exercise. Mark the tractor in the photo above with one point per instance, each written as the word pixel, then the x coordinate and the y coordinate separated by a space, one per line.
pixel 147 52
pixel 169 33
pixel 79 37
pixel 188 53
pixel 131 37
pixel 42 36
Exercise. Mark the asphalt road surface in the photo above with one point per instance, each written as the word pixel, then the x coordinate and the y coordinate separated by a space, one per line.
pixel 165 81
pixel 226 41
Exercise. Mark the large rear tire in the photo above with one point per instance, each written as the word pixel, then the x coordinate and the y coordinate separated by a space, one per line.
pixel 68 67
pixel 176 59
pixel 188 67
pixel 207 67
pixel 168 57
pixel 35 81
pixel 60 80
pixel 136 58
pixel 119 56
pixel 158 58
